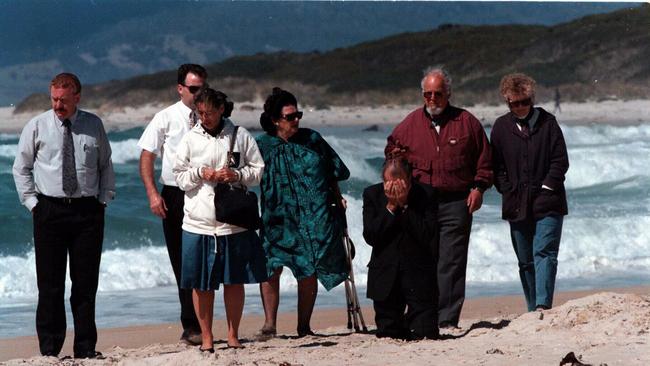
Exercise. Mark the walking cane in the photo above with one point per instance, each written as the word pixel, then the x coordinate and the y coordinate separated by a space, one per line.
pixel 355 317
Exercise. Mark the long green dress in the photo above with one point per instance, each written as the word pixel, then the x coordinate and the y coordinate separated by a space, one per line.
pixel 300 228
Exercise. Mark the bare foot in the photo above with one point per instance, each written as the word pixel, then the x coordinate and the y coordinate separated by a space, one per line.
pixel 234 343
pixel 265 334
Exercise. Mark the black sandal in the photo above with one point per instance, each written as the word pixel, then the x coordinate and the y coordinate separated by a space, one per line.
pixel 210 350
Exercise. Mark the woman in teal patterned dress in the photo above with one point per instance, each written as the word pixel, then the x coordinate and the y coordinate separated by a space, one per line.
pixel 302 220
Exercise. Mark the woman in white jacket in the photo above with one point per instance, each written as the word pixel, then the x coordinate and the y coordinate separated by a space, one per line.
pixel 215 252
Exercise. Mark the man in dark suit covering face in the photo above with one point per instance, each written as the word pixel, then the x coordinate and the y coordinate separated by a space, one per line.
pixel 399 223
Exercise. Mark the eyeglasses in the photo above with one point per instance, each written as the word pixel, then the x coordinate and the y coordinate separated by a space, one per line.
pixel 193 88
pixel 292 116
pixel 520 103
pixel 430 95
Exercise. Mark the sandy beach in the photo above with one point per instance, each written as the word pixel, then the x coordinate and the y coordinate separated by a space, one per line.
pixel 247 114
pixel 609 327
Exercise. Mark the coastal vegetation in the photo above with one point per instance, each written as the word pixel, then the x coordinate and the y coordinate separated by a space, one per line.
pixel 596 57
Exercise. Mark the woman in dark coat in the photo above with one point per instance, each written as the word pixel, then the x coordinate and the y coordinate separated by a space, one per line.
pixel 530 162
pixel 300 227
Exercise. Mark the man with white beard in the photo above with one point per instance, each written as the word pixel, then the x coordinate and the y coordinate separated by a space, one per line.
pixel 448 149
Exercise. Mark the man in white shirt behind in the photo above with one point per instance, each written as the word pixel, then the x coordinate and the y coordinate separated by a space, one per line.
pixel 161 138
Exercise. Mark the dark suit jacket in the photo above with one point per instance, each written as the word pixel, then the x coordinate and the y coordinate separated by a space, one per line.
pixel 401 243
pixel 522 164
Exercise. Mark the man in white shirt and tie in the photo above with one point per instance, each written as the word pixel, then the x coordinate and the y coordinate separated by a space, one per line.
pixel 64 176
pixel 161 138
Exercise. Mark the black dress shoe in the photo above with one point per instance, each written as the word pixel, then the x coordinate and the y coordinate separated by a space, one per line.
pixel 90 354
pixel 192 338
pixel 449 326
pixel 305 332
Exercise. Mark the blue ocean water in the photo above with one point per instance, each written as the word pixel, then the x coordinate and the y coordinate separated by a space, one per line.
pixel 606 237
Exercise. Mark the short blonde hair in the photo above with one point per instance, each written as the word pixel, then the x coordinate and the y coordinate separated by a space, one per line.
pixel 517 84
pixel 66 80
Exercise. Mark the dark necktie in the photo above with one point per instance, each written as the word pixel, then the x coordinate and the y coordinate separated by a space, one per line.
pixel 68 167
pixel 194 118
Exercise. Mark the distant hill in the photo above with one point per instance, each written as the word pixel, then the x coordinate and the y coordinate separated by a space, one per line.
pixel 594 57
pixel 118 39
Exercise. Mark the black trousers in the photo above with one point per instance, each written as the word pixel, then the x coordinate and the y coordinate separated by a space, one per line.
pixel 172 227
pixel 415 292
pixel 61 230
pixel 454 224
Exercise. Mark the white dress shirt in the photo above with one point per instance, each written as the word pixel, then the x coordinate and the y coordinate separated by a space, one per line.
pixel 162 136
pixel 39 159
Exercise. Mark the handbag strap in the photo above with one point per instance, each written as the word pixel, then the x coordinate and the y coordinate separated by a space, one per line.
pixel 231 159
pixel 232 139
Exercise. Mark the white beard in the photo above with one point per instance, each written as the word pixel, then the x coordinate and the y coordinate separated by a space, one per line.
pixel 435 111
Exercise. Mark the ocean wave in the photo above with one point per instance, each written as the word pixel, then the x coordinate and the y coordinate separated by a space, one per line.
pixel 121 269
pixel 8 150
pixel 125 151
pixel 601 235
pixel 602 134
pixel 591 165
pixel 591 247
pixel 356 151
pixel 9 136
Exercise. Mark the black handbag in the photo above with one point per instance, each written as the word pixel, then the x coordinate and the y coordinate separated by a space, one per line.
pixel 235 204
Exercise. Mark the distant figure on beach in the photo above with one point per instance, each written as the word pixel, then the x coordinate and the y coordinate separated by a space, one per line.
pixel 530 163
pixel 161 138
pixel 64 176
pixel 216 252
pixel 449 151
pixel 301 227
pixel 557 108
pixel 399 218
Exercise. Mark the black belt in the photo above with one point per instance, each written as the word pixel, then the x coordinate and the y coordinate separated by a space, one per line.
pixel 449 196
pixel 172 188
pixel 67 200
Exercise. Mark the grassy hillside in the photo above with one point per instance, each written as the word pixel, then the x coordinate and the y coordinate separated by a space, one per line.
pixel 596 57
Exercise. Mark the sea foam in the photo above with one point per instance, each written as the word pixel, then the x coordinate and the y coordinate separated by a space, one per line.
pixel 591 247
pixel 605 233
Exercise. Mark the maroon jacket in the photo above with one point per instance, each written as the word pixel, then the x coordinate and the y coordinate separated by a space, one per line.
pixel 522 164
pixel 456 160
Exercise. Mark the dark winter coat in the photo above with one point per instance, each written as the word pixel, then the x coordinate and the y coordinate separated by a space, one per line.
pixel 522 164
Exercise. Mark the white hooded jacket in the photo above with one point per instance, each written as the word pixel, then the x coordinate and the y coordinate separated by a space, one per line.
pixel 199 149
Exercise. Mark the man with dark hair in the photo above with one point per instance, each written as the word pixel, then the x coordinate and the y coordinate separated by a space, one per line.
pixel 64 176
pixel 398 222
pixel 161 137
pixel 449 151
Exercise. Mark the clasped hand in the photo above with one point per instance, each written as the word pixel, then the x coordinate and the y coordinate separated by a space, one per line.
pixel 223 175
pixel 396 192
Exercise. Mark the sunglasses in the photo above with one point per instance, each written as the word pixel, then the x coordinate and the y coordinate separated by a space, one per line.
pixel 292 116
pixel 193 88
pixel 430 95
pixel 520 103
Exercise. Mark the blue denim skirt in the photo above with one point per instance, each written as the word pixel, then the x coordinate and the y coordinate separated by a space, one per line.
pixel 232 259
